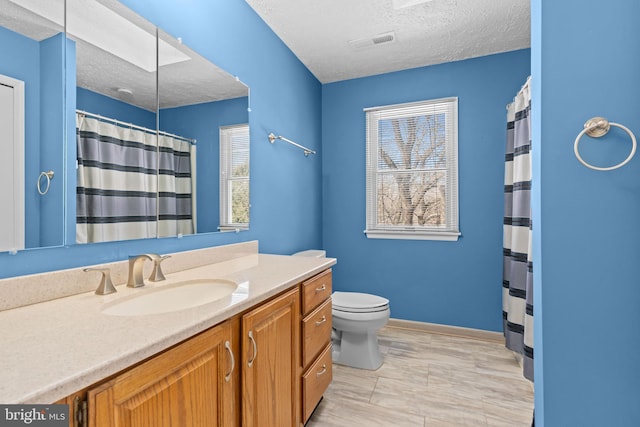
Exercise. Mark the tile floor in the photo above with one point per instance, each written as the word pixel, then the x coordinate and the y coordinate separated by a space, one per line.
pixel 429 380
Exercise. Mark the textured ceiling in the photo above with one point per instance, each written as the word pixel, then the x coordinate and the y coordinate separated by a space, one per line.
pixel 322 33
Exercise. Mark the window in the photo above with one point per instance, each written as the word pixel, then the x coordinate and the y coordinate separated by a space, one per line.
pixel 412 171
pixel 234 177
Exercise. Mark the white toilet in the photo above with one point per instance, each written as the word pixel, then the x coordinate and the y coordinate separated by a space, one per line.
pixel 356 318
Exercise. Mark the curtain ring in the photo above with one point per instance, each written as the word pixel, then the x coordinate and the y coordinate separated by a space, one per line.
pixel 49 177
pixel 597 127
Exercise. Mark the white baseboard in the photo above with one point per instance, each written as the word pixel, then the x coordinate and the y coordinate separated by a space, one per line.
pixel 457 331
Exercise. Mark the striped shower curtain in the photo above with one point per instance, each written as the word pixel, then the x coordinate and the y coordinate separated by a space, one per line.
pixel 117 182
pixel 176 187
pixel 127 187
pixel 517 281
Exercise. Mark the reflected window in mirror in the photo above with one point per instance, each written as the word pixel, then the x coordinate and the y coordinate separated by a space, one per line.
pixel 234 177
pixel 196 99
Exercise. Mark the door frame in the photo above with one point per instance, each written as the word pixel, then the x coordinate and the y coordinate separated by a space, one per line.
pixel 18 160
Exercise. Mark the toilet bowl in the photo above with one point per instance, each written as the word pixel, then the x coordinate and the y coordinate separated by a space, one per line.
pixel 356 318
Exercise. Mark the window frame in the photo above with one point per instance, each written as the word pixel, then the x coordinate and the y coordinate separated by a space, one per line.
pixel 376 230
pixel 226 179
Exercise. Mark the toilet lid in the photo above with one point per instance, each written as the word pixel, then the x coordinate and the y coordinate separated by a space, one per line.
pixel 358 302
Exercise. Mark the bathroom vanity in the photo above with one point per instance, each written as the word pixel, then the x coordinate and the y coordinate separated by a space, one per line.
pixel 260 356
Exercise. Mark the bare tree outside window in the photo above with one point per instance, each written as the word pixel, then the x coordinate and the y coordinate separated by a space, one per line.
pixel 411 154
pixel 234 176
pixel 412 171
pixel 240 193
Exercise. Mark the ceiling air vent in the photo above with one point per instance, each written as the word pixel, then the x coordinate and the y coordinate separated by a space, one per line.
pixel 373 41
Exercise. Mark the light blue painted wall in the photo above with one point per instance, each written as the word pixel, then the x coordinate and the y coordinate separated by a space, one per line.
pixel 285 98
pixel 585 62
pixel 52 102
pixel 96 103
pixel 453 283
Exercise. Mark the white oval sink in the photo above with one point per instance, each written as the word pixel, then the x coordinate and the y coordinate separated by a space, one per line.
pixel 179 296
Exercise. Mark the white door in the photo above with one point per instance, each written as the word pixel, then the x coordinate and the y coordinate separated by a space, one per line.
pixel 11 164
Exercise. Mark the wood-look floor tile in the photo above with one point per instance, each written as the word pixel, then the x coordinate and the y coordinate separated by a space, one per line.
pixel 332 412
pixel 430 380
pixel 419 399
pixel 352 384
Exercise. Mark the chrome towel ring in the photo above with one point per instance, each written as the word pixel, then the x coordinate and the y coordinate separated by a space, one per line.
pixel 597 127
pixel 49 177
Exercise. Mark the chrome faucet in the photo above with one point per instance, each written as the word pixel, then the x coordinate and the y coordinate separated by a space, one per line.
pixel 106 285
pixel 156 274
pixel 136 268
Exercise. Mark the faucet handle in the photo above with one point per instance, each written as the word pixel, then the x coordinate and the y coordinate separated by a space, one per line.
pixel 156 274
pixel 106 285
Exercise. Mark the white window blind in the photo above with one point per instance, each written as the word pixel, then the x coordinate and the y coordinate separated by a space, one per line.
pixel 234 177
pixel 412 170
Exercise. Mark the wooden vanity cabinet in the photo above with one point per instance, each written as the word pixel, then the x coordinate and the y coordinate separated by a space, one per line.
pixel 270 362
pixel 266 367
pixel 192 384
pixel 316 341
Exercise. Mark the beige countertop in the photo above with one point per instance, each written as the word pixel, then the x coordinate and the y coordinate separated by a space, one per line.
pixel 52 349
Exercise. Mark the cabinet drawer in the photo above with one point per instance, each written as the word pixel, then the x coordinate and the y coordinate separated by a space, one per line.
pixel 316 332
pixel 315 382
pixel 315 291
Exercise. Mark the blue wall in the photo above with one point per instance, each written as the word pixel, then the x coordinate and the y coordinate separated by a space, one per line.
pixel 202 122
pixel 585 62
pixel 52 134
pixel 285 99
pixel 96 103
pixel 454 283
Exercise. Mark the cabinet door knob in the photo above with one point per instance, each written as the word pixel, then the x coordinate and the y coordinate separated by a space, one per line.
pixel 321 321
pixel 255 349
pixel 322 371
pixel 321 288
pixel 233 361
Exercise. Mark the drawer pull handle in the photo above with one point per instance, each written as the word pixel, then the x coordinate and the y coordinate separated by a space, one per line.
pixel 321 321
pixel 321 288
pixel 233 361
pixel 255 349
pixel 322 371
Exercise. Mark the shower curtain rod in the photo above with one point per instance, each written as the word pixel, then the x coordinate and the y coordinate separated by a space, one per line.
pixel 131 125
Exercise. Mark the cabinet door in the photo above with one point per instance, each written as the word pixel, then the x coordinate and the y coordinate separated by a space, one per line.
pixel 270 361
pixel 192 384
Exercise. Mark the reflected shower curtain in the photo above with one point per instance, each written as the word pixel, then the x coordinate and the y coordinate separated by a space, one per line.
pixel 517 281
pixel 176 184
pixel 117 182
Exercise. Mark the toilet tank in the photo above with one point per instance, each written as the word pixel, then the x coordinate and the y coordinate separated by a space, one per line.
pixel 312 253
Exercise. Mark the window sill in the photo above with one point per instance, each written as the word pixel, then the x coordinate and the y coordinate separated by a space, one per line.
pixel 447 236
pixel 232 228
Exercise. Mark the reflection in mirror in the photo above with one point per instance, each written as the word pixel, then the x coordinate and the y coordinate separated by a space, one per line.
pixel 198 101
pixel 32 75
pixel 116 142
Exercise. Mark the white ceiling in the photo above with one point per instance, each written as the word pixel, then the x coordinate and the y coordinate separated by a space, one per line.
pixel 321 33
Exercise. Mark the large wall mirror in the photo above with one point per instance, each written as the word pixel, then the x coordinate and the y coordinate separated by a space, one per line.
pixel 151 116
